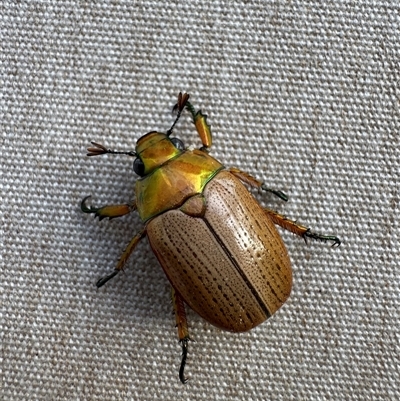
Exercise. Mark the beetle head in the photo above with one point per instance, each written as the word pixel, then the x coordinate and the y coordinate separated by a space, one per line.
pixel 153 150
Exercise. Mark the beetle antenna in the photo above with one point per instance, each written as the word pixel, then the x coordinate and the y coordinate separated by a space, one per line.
pixel 99 149
pixel 179 107
pixel 184 343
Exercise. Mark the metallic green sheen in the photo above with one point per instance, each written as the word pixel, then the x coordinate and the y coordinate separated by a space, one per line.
pixel 170 184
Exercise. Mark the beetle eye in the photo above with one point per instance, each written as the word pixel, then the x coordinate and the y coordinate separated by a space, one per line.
pixel 138 167
pixel 178 143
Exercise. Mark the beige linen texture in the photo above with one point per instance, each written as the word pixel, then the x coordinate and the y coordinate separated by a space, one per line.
pixel 302 94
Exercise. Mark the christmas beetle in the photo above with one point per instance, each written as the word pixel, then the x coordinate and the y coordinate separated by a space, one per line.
pixel 218 246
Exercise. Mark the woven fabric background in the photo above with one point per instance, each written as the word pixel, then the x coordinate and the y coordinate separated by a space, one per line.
pixel 304 95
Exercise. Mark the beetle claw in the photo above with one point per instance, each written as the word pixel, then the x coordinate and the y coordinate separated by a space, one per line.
pixel 90 209
pixel 184 343
pixel 104 279
pixel 84 208
pixel 322 238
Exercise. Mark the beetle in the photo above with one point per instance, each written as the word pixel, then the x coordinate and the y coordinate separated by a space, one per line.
pixel 217 245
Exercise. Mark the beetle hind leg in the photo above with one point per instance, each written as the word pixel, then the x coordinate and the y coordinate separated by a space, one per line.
pixel 183 332
pixel 298 229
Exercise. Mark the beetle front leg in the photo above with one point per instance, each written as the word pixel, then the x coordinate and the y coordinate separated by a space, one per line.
pixel 199 120
pixel 202 127
pixel 183 332
pixel 298 229
pixel 110 211
pixel 253 182
pixel 124 258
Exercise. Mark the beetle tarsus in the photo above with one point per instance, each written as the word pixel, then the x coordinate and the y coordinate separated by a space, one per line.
pixel 322 238
pixel 279 194
pixel 104 279
pixel 191 109
pixel 184 342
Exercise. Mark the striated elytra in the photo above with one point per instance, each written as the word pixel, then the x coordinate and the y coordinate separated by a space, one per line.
pixel 218 247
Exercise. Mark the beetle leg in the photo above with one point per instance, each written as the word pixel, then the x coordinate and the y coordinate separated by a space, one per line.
pixel 124 258
pixel 253 182
pixel 183 332
pixel 199 120
pixel 298 229
pixel 202 127
pixel 110 211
